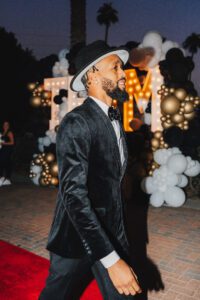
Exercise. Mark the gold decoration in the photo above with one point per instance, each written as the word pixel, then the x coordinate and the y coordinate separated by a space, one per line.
pixel 54 181
pixel 188 108
pixel 158 134
pixel 166 125
pixel 189 116
pixel 177 118
pixel 170 105
pixel 180 94
pixel 42 181
pixel 54 169
pixel 155 143
pixel 50 157
pixel 35 101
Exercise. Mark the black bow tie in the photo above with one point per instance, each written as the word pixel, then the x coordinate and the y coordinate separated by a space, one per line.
pixel 114 113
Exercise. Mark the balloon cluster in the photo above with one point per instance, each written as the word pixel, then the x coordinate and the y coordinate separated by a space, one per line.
pixel 44 170
pixel 176 68
pixel 177 107
pixel 62 96
pixel 47 140
pixel 166 181
pixel 157 142
pixel 151 51
pixel 60 68
pixel 40 97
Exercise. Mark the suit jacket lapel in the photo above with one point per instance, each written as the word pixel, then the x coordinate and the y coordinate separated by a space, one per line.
pixel 125 149
pixel 110 130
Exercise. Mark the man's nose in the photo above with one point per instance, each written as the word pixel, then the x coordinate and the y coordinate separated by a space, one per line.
pixel 122 74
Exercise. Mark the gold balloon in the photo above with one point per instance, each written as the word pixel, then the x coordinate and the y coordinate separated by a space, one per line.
pixel 157 134
pixel 35 101
pixel 168 121
pixel 163 119
pixel 180 94
pixel 189 116
pixel 188 108
pixel 172 90
pixel 197 102
pixel 166 125
pixel 177 118
pixel 185 127
pixel 50 157
pixel 170 105
pixel 54 181
pixel 31 86
pixel 37 161
pixel 155 143
pixel 42 181
pixel 181 125
pixel 54 169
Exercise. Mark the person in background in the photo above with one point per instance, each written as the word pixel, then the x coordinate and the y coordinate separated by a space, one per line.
pixel 6 150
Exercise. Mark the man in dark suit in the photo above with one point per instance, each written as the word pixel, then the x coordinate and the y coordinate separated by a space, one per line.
pixel 88 230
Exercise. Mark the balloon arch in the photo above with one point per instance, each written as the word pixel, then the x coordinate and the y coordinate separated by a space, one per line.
pixel 167 103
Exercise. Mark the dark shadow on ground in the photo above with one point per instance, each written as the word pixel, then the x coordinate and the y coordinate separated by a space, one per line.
pixel 136 215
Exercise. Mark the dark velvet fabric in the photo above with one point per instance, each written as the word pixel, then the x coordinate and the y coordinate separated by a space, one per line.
pixel 89 210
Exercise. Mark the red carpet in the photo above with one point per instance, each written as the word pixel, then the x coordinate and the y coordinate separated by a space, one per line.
pixel 23 275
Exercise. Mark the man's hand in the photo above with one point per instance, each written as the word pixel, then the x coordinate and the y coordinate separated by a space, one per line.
pixel 124 278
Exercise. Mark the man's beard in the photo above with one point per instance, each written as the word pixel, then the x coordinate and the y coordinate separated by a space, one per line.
pixel 114 92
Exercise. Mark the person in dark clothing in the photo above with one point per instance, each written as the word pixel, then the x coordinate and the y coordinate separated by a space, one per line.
pixel 6 151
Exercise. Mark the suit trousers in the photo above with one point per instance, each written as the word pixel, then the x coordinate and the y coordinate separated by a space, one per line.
pixel 67 276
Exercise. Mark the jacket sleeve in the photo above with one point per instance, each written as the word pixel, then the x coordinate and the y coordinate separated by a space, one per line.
pixel 73 150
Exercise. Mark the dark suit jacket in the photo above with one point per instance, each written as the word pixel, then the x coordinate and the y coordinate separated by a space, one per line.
pixel 89 213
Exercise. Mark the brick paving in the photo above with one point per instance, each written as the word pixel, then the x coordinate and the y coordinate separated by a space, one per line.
pixel 174 240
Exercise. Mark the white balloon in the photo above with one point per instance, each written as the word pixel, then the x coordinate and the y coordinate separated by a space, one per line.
pixel 35 179
pixel 174 196
pixel 40 140
pixel 174 150
pixel 62 53
pixel 156 58
pixel 177 163
pixel 147 118
pixel 183 181
pixel 161 156
pixel 172 179
pixel 152 39
pixel 157 199
pixel 41 147
pixel 166 46
pixel 46 141
pixel 147 185
pixel 36 169
pixel 193 170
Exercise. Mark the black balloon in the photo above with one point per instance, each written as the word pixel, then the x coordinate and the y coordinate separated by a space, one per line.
pixel 57 99
pixel 173 136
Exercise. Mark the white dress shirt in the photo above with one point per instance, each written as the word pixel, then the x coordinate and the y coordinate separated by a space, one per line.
pixel 113 257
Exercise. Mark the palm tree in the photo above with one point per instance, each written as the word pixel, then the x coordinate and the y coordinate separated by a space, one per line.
pixel 192 43
pixel 107 15
pixel 78 21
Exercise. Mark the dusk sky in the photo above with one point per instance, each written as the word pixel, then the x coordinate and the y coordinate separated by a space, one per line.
pixel 44 25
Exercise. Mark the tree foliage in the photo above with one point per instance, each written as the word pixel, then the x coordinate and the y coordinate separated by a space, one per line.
pixel 107 15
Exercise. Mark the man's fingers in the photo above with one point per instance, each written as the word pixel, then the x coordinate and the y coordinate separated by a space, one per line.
pixel 132 291
pixel 120 291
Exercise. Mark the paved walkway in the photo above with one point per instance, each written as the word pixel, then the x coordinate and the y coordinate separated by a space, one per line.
pixel 174 236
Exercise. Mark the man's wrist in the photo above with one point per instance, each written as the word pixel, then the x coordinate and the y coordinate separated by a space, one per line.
pixel 110 259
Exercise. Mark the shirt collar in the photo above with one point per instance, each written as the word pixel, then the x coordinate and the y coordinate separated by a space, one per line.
pixel 102 104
